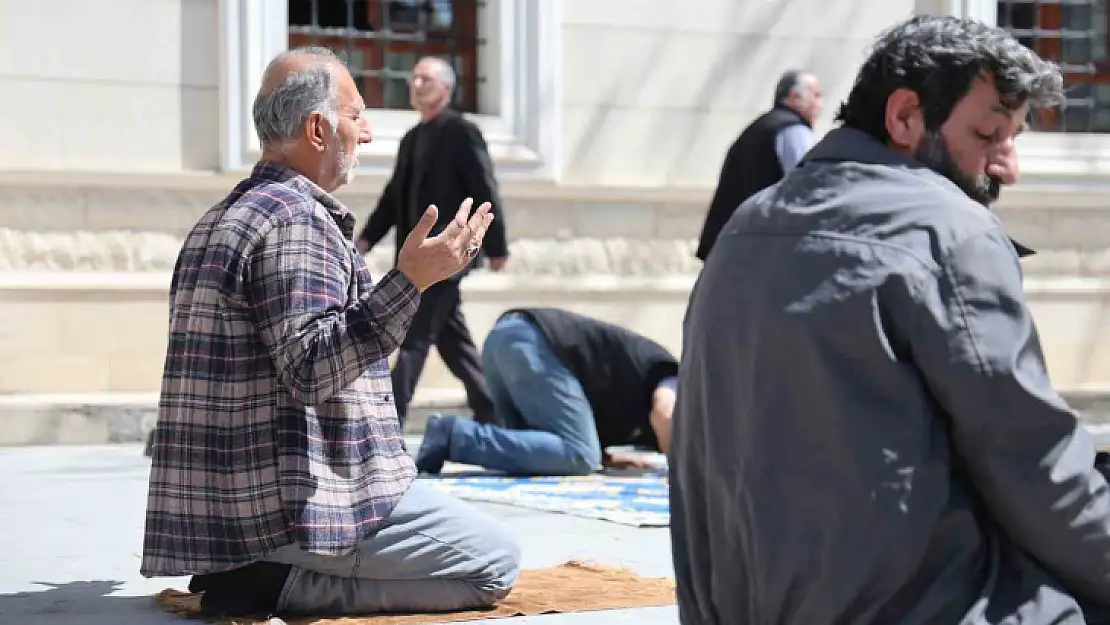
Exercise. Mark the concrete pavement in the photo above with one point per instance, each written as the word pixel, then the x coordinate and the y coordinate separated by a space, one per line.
pixel 72 516
pixel 71 520
pixel 98 418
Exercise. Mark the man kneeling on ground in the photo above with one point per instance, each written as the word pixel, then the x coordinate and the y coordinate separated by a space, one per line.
pixel 279 476
pixel 567 387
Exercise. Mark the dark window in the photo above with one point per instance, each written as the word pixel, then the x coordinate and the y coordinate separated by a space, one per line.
pixel 1074 34
pixel 381 41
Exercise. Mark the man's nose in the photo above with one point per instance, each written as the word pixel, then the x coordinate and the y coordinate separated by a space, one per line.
pixel 364 135
pixel 1000 152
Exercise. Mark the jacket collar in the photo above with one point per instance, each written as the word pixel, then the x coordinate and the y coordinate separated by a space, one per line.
pixel 789 111
pixel 849 144
pixel 269 171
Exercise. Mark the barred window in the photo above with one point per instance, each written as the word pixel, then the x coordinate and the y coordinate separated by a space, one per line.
pixel 1074 34
pixel 381 41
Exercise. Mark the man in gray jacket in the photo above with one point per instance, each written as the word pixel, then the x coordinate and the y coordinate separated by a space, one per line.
pixel 865 431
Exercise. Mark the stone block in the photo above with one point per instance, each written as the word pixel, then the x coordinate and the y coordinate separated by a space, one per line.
pixel 99 418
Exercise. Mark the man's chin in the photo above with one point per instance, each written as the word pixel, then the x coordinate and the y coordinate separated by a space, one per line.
pixel 983 198
pixel 992 192
pixel 985 192
pixel 349 173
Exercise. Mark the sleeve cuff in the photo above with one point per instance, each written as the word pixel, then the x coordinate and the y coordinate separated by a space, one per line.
pixel 407 296
pixel 402 281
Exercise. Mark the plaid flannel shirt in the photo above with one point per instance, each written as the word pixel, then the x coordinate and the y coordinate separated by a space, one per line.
pixel 276 422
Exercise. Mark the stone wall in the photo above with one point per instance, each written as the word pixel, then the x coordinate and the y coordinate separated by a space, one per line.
pixel 136 251
pixel 85 262
pixel 130 251
pixel 136 223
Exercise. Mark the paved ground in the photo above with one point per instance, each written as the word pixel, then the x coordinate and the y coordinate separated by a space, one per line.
pixel 71 521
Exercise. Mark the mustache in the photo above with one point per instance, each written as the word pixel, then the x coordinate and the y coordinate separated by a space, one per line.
pixel 993 188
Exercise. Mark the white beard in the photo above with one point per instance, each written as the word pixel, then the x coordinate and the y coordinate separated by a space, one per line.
pixel 349 175
pixel 345 163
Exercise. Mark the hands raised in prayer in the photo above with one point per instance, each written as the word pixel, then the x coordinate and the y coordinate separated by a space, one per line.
pixel 427 260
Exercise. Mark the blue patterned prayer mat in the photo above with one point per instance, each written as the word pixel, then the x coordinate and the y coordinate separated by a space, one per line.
pixel 639 501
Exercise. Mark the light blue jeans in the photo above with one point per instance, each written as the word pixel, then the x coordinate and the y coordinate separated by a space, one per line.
pixel 435 553
pixel 550 426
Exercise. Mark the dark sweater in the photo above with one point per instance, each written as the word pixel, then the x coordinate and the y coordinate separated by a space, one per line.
pixel 618 369
pixel 750 166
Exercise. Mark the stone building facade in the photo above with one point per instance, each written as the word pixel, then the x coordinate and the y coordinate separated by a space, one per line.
pixel 607 122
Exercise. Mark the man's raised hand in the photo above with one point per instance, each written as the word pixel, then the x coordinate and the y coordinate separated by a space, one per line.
pixel 426 260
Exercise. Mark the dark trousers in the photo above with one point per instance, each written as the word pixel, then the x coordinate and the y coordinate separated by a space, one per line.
pixel 439 321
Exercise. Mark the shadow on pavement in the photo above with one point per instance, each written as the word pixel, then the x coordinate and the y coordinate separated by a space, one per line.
pixel 83 602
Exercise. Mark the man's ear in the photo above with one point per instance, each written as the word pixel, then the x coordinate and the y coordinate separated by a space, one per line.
pixel 905 121
pixel 316 131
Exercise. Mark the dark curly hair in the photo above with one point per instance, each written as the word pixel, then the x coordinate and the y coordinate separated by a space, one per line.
pixel 938 58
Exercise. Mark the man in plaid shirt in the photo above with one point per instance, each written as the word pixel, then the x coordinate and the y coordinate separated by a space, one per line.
pixel 280 478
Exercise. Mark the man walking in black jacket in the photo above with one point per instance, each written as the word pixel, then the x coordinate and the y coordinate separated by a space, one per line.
pixel 765 151
pixel 441 161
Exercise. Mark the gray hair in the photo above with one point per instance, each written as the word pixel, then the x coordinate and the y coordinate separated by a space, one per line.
pixel 939 58
pixel 789 83
pixel 446 70
pixel 280 113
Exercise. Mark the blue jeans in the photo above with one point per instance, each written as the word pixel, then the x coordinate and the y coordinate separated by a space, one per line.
pixel 435 553
pixel 549 423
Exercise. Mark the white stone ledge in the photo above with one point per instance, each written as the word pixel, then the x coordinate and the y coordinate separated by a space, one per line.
pixel 1067 286
pixel 147 252
pixel 66 400
pixel 1048 194
pixel 423 398
pixel 1036 191
pixel 641 258
pixel 429 396
pixel 122 281
pixel 481 283
pixel 370 184
pixel 510 286
pixel 99 418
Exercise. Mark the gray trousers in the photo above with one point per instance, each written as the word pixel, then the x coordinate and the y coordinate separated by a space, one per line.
pixel 434 553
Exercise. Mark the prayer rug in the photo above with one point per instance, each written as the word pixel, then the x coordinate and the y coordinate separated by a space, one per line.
pixel 637 500
pixel 570 587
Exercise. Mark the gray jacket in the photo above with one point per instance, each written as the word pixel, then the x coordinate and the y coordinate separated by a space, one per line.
pixel 865 430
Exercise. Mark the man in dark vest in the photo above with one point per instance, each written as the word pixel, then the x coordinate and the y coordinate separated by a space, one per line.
pixel 567 387
pixel 765 151
pixel 442 160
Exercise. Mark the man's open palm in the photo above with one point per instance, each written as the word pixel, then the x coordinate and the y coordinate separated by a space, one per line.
pixel 426 260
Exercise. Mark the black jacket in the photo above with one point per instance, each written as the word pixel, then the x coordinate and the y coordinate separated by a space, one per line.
pixel 750 166
pixel 619 371
pixel 442 161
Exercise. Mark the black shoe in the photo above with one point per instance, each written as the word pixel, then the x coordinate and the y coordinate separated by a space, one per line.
pixel 251 590
pixel 435 449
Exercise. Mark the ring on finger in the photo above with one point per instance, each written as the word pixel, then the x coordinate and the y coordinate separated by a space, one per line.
pixel 472 249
